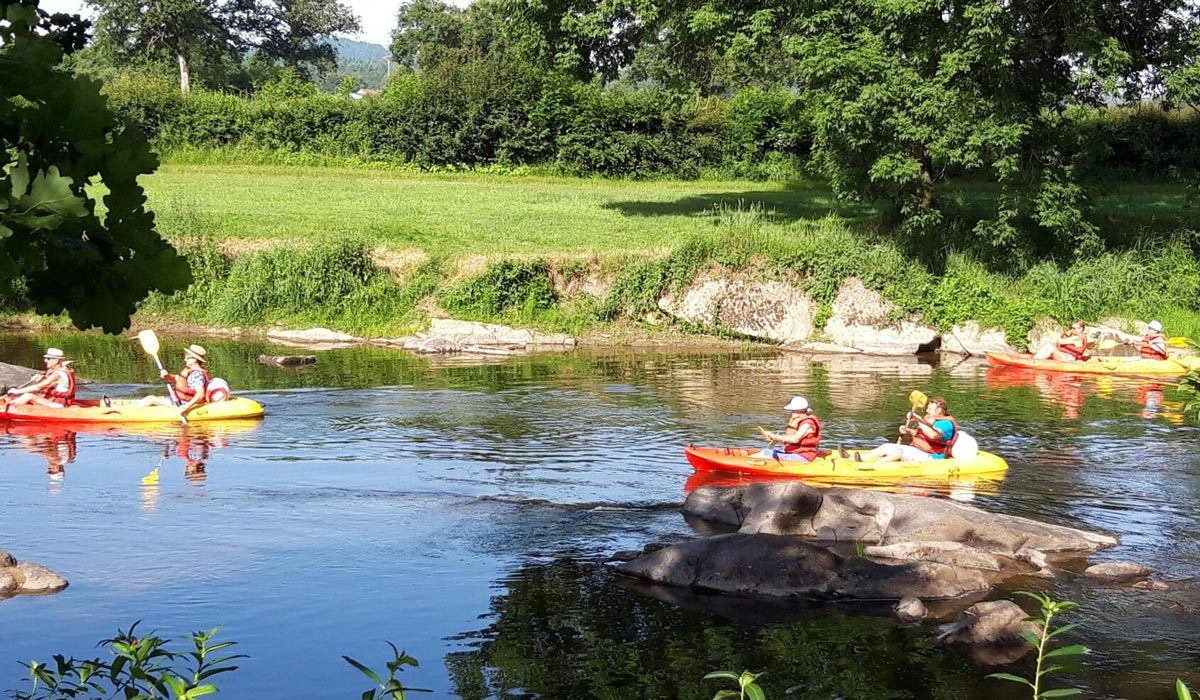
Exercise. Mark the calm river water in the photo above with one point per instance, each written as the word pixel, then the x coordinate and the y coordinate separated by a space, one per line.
pixel 465 511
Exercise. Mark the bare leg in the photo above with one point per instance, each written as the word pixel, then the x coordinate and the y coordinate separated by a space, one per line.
pixel 887 452
pixel 155 401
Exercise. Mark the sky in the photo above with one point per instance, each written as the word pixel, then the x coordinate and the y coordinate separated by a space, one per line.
pixel 378 16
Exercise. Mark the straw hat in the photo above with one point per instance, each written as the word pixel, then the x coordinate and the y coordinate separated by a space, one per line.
pixel 197 352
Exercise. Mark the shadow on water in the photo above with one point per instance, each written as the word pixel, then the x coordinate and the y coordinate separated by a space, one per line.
pixel 792 204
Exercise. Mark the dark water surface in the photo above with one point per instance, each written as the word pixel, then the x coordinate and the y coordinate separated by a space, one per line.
pixel 464 511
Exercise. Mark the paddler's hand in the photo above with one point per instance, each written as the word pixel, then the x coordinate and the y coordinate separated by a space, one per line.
pixel 163 373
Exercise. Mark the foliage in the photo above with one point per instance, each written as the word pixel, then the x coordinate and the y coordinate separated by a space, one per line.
pixel 57 139
pixel 747 682
pixel 1049 610
pixel 389 688
pixel 508 286
pixel 1189 386
pixel 141 667
pixel 1182 691
pixel 294 32
pixel 430 33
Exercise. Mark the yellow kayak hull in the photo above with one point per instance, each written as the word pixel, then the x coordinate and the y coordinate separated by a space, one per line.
pixel 127 411
pixel 1134 366
pixel 740 460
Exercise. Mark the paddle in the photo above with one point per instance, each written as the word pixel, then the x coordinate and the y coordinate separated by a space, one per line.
pixel 151 479
pixel 149 342
pixel 917 399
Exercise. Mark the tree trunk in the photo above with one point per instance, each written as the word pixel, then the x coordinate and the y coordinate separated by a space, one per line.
pixel 185 78
pixel 926 179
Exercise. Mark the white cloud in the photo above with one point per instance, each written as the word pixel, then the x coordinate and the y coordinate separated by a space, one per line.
pixel 378 16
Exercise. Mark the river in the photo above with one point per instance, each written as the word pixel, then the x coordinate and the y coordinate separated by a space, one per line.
pixel 465 511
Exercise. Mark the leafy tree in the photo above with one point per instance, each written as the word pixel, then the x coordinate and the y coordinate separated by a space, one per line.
pixel 295 32
pixel 57 138
pixel 431 32
pixel 582 38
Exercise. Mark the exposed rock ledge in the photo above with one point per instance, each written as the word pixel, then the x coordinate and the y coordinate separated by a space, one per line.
pixel 910 546
pixel 14 375
pixel 450 336
pixel 26 577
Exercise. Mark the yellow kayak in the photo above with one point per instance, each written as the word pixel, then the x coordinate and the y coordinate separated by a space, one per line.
pixel 1174 367
pixel 741 460
pixel 127 411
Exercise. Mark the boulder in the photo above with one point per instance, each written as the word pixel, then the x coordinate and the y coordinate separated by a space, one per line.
pixel 450 336
pixel 990 632
pixel 970 339
pixel 1117 572
pixel 26 577
pixel 14 376
pixel 877 518
pixel 910 609
pixel 785 567
pixel 952 553
pixel 862 319
pixel 763 309
pixel 287 360
pixel 314 338
pixel 1158 586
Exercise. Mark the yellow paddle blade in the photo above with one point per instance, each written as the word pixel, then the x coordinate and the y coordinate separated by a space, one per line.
pixel 1178 342
pixel 151 478
pixel 149 341
pixel 917 399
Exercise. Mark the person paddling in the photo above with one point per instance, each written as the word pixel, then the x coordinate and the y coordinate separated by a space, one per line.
pixel 191 384
pixel 1071 347
pixel 802 437
pixel 54 388
pixel 1154 343
pixel 931 439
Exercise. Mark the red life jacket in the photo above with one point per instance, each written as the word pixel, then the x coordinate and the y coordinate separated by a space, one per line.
pixel 52 393
pixel 184 392
pixel 1078 352
pixel 1149 352
pixel 807 447
pixel 936 446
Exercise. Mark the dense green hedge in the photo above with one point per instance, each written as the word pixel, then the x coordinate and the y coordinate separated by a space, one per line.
pixel 487 113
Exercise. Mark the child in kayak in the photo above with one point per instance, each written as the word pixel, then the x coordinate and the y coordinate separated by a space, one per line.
pixel 1071 347
pixel 931 439
pixel 802 438
pixel 1154 343
pixel 191 384
pixel 54 388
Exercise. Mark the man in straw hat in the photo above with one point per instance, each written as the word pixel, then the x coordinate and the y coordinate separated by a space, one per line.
pixel 54 388
pixel 191 384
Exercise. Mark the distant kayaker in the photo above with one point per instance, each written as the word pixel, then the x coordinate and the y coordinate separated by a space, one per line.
pixel 191 384
pixel 54 388
pixel 1071 347
pixel 931 439
pixel 802 438
pixel 1154 343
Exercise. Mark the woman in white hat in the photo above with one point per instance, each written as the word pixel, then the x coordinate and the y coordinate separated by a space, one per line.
pixel 191 384
pixel 54 388
pixel 802 439
pixel 1154 343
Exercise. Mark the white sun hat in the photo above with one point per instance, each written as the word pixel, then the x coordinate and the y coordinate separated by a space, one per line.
pixel 54 353
pixel 798 403
pixel 1156 326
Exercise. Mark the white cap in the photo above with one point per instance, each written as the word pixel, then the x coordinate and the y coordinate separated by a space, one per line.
pixel 1156 326
pixel 798 403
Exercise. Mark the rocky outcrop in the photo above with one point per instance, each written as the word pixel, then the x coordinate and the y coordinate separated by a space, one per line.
pixel 767 310
pixel 319 338
pixel 14 376
pixel 450 336
pixel 877 518
pixel 287 360
pixel 971 339
pixel 786 567
pixel 26 577
pixel 863 320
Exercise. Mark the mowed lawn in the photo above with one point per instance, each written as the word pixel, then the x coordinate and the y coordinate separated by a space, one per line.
pixel 466 214
pixel 462 214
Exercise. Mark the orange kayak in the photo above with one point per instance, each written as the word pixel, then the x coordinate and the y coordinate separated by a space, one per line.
pixel 1174 367
pixel 743 460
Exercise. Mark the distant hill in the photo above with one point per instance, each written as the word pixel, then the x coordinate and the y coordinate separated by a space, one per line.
pixel 361 60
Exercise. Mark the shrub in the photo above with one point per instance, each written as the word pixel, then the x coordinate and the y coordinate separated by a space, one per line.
pixel 504 287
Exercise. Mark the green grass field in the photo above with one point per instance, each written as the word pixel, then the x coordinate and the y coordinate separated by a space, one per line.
pixel 467 214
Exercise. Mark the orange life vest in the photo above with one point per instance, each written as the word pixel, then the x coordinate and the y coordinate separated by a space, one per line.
pixel 184 392
pixel 53 393
pixel 1079 352
pixel 936 446
pixel 807 447
pixel 1149 351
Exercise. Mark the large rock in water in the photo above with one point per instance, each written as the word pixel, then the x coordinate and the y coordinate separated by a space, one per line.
pixel 766 309
pixel 446 335
pixel 970 339
pixel 786 567
pixel 862 319
pixel 26 577
pixel 14 375
pixel 876 518
pixel 321 338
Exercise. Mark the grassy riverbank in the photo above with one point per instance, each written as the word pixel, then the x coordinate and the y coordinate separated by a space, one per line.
pixel 377 251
